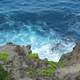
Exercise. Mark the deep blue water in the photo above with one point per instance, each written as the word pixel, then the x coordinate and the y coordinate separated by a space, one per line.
pixel 51 26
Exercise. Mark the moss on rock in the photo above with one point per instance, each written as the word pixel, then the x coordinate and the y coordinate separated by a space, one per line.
pixel 44 67
pixel 4 56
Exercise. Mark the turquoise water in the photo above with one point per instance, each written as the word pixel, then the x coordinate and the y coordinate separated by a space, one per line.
pixel 51 27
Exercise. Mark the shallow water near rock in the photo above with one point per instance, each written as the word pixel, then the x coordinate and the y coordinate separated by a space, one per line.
pixel 51 28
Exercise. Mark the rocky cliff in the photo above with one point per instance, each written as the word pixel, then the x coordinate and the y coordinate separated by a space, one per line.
pixel 71 69
pixel 22 64
pixel 19 63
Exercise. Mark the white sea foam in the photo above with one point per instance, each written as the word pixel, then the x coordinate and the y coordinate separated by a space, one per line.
pixel 53 52
pixel 50 46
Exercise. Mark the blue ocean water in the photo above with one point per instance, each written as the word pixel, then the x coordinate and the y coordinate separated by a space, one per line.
pixel 51 27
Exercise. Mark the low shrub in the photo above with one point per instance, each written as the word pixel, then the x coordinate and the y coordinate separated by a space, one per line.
pixel 4 56
pixel 3 74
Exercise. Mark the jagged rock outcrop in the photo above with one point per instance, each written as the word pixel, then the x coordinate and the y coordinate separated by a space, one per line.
pixel 71 69
pixel 22 65
pixel 73 57
pixel 16 65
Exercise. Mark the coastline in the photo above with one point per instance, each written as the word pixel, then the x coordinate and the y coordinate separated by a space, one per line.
pixel 22 58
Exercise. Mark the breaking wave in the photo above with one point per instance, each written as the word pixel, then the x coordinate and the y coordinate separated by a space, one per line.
pixel 51 30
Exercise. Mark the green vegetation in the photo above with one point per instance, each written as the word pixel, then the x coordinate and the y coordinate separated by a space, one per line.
pixel 4 56
pixel 33 56
pixel 41 71
pixel 52 64
pixel 61 63
pixel 3 74
pixel 31 72
pixel 47 71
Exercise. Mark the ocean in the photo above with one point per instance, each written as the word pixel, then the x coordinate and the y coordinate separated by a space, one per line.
pixel 51 27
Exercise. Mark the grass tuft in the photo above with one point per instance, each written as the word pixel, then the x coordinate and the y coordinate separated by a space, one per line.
pixel 4 56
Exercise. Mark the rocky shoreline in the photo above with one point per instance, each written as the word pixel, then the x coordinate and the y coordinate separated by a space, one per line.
pixel 22 64
pixel 71 69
